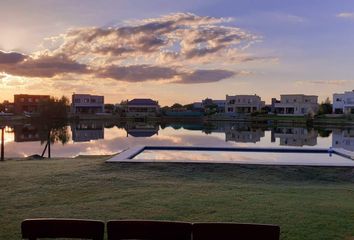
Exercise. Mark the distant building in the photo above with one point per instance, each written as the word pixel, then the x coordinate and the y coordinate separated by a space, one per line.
pixel 87 104
pixel 295 104
pixel 142 107
pixel 343 103
pixel 87 131
pixel 28 103
pixel 198 106
pixel 243 104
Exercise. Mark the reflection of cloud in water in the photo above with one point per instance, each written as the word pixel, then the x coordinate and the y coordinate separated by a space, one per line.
pixel 202 155
pixel 245 157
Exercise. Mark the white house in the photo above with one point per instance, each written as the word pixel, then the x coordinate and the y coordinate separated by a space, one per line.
pixel 243 104
pixel 295 104
pixel 343 103
pixel 86 103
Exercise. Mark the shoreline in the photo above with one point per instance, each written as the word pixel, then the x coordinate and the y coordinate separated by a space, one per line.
pixel 334 121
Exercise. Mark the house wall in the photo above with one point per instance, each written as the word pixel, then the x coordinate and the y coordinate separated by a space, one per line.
pixel 243 104
pixel 86 103
pixel 28 103
pixel 296 104
pixel 343 102
pixel 142 110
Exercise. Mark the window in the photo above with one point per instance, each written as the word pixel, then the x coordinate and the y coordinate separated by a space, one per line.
pixel 30 100
pixel 86 100
pixel 22 100
pixel 77 100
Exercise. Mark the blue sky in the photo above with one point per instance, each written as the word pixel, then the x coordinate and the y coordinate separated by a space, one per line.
pixel 303 47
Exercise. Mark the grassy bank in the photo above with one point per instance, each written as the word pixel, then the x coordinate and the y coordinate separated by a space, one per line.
pixel 307 202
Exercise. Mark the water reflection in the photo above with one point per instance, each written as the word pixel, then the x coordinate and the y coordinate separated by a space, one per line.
pixel 343 138
pixel 86 131
pixel 295 136
pixel 141 129
pixel 107 137
pixel 243 133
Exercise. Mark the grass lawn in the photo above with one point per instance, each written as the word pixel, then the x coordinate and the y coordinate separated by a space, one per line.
pixel 307 202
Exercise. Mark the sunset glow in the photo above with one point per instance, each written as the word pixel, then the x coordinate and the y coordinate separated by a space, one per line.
pixel 176 52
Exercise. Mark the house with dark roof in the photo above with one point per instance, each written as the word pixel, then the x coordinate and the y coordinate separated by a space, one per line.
pixel 142 107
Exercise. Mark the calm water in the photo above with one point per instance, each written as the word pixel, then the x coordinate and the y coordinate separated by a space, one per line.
pixel 95 137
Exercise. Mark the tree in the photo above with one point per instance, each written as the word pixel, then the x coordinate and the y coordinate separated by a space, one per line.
pixel 54 108
pixel 108 107
pixel 325 107
pixel 176 106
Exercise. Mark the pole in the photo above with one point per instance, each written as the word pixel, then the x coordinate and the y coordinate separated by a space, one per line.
pixel 2 143
pixel 49 145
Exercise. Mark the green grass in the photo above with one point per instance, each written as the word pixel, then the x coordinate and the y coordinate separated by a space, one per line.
pixel 307 202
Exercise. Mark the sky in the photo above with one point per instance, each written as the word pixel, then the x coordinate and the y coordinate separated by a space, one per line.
pixel 176 51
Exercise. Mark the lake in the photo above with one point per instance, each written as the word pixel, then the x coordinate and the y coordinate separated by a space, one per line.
pixel 101 138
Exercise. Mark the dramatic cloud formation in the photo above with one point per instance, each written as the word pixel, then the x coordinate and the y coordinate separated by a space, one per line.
pixel 175 37
pixel 173 48
pixel 349 15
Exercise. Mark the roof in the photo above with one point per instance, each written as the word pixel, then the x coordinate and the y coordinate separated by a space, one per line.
pixel 142 101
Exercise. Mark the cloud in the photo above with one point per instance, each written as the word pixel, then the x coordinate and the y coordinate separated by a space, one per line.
pixel 324 82
pixel 138 73
pixel 347 15
pixel 182 35
pixel 206 76
pixel 331 82
pixel 42 66
pixel 11 57
pixel 141 73
pixel 171 48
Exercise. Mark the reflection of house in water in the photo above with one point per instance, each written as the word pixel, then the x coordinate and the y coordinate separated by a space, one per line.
pixel 243 133
pixel 343 139
pixel 26 133
pixel 86 131
pixel 295 136
pixel 141 129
